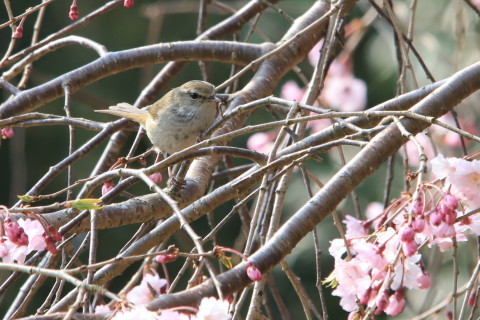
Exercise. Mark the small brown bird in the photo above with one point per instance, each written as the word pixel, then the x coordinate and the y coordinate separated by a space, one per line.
pixel 174 122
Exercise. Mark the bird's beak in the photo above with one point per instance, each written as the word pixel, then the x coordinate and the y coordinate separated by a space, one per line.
pixel 216 98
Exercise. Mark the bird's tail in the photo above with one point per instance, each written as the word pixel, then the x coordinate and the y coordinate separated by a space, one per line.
pixel 127 111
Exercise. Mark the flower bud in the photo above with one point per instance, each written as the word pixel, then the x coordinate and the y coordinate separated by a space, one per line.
pixel 407 234
pixel 418 224
pixel 424 280
pixel 156 177
pixel 7 133
pixel 253 273
pixel 107 186
pixel 382 300
pixel 73 14
pixel 165 258
pixel 409 248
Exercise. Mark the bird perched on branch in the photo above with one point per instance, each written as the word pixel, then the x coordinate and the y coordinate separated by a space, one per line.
pixel 175 122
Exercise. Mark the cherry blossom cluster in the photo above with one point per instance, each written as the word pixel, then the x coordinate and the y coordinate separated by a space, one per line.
pixel 342 91
pixel 444 140
pixel 152 286
pixel 149 288
pixel 20 237
pixel 379 258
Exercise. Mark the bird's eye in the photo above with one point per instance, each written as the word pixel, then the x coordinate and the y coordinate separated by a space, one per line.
pixel 194 95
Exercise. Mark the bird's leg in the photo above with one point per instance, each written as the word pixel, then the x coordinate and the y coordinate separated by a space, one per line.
pixel 177 181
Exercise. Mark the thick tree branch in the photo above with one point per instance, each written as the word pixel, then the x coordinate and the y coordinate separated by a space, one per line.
pixel 114 62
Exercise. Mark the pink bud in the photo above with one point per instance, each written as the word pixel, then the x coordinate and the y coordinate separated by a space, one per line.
pixel 418 224
pixel 424 280
pixel 382 300
pixel 54 233
pixel 73 14
pixel 466 221
pixel 156 177
pixel 128 3
pixel 449 315
pixel 396 304
pixel 473 298
pixel 50 244
pixel 366 296
pixel 407 234
pixel 165 258
pixel 409 248
pixel 107 186
pixel 18 32
pixel 417 208
pixel 450 201
pixel 253 273
pixel 7 133
pixel 436 217
pixel 15 233
pixel 450 218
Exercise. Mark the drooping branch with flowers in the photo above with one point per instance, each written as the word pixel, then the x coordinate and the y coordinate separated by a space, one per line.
pixel 332 114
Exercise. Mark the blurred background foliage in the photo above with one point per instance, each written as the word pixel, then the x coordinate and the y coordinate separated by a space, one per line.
pixel 446 35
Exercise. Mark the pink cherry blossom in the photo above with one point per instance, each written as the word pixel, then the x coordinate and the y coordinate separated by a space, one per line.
pixel 373 209
pixel 471 224
pixel 135 314
pixel 291 91
pixel 142 294
pixel 412 149
pixel 314 54
pixel 102 308
pixel 35 233
pixel 318 125
pixel 406 273
pixel 463 175
pixel 11 252
pixel 3 249
pixel 449 138
pixel 213 309
pixel 348 301
pixel 352 276
pixel 345 93
pixel 337 248
pixel 261 142
pixel 174 315
pixel 369 252
pixel 355 227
